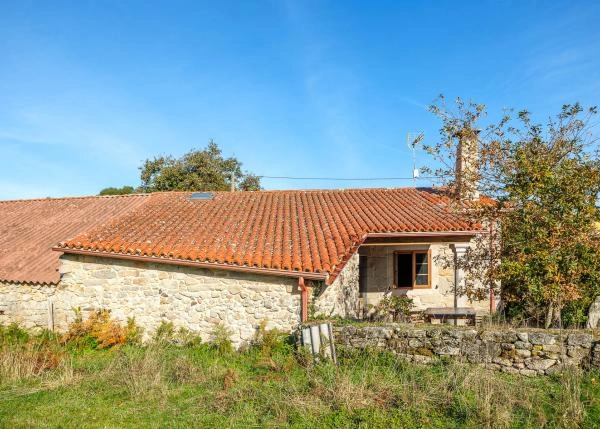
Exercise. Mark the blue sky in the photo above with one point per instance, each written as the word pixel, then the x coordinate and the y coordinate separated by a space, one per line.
pixel 88 90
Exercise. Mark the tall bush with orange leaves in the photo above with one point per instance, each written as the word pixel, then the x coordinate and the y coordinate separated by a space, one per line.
pixel 100 331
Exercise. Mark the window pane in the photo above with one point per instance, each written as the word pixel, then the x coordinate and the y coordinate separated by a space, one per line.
pixel 422 263
pixel 422 269
pixel 404 270
pixel 422 280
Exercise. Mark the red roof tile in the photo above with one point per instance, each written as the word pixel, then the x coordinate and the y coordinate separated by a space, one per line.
pixel 313 231
pixel 30 228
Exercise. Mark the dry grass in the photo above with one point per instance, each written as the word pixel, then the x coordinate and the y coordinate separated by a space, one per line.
pixel 21 363
pixel 272 385
pixel 141 370
pixel 573 410
pixel 493 398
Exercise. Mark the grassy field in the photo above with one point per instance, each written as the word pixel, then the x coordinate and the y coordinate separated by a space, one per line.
pixel 45 383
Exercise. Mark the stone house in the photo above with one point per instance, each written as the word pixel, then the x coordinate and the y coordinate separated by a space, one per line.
pixel 231 258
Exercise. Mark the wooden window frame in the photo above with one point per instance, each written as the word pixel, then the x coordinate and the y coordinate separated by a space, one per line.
pixel 414 268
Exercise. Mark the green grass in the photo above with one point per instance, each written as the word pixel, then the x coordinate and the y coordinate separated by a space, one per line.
pixel 163 386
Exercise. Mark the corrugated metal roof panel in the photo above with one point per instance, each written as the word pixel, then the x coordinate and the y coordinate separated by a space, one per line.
pixel 30 228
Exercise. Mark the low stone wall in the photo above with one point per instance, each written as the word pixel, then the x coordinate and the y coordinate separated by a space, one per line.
pixel 527 352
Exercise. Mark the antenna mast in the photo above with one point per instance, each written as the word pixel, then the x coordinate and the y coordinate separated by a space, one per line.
pixel 412 139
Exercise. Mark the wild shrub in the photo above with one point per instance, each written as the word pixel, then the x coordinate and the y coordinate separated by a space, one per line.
pixel 271 341
pixel 397 308
pixel 46 336
pixel 100 330
pixel 304 357
pixel 166 333
pixel 221 339
pixel 188 338
pixel 13 334
pixel 133 332
pixel 230 378
pixel 274 349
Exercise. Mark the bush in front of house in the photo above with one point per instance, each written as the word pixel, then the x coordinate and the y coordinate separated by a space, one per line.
pixel 100 331
pixel 396 308
pixel 161 383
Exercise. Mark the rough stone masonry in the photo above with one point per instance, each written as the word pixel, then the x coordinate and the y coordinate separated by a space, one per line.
pixel 193 298
pixel 527 352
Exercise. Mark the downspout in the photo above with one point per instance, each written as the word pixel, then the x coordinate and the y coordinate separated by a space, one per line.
pixel 303 299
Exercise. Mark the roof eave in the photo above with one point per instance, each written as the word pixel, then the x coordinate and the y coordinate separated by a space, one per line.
pixel 29 282
pixel 432 234
pixel 197 264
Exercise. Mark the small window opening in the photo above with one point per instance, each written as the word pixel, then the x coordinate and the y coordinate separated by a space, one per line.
pixel 412 269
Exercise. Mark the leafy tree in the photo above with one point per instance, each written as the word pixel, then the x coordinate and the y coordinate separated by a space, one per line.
pixel 545 181
pixel 125 190
pixel 197 170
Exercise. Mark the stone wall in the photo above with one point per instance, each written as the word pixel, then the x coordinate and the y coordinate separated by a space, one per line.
pixel 527 352
pixel 25 304
pixel 194 298
pixel 341 298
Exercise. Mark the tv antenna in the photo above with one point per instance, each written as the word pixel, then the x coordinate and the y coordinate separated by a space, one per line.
pixel 412 140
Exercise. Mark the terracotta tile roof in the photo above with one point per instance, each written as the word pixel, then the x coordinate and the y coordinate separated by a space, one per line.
pixel 313 231
pixel 30 228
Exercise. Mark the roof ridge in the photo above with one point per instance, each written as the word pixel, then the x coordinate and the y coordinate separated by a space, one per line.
pixel 320 190
pixel 83 197
pixel 399 188
pixel 262 191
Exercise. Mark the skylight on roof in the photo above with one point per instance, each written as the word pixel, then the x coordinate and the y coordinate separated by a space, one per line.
pixel 202 196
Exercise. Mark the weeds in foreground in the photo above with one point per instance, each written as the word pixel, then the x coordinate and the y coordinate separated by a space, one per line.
pixel 25 356
pixel 266 385
pixel 221 340
pixel 140 370
pixel 570 394
pixel 100 330
pixel 31 361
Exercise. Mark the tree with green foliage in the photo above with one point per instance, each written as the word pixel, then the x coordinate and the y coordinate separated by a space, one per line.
pixel 125 190
pixel 197 170
pixel 545 183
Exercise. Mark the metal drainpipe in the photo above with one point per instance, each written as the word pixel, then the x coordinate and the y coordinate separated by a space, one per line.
pixel 304 300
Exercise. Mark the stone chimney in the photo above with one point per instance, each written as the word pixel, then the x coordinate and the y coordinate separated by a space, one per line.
pixel 467 164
